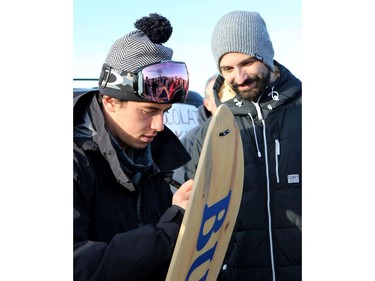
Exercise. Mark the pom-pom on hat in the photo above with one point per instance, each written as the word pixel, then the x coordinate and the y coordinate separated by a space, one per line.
pixel 242 32
pixel 139 48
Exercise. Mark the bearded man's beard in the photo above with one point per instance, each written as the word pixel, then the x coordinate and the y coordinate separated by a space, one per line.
pixel 254 93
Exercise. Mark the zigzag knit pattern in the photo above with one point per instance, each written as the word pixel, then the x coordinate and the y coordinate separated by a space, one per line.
pixel 134 51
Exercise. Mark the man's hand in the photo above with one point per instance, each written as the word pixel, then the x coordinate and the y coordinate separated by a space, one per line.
pixel 182 195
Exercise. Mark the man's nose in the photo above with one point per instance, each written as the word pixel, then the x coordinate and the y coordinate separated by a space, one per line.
pixel 158 122
pixel 240 76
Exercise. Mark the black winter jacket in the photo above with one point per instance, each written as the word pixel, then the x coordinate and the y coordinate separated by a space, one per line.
pixel 121 231
pixel 266 241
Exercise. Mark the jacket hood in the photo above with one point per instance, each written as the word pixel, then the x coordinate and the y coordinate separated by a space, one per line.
pixel 82 124
pixel 284 89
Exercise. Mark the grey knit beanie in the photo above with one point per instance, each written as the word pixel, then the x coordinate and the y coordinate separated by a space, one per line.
pixel 242 32
pixel 137 49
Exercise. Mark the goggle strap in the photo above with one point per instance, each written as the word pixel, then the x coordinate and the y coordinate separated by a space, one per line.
pixel 116 79
pixel 104 76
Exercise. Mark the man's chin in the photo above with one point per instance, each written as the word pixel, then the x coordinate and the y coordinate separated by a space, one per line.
pixel 248 95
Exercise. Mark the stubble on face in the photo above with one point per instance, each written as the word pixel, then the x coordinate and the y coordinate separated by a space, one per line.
pixel 252 94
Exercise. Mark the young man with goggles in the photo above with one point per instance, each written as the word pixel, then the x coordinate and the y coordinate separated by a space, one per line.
pixel 126 219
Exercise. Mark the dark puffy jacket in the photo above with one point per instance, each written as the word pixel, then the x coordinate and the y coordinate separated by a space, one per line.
pixel 121 231
pixel 266 241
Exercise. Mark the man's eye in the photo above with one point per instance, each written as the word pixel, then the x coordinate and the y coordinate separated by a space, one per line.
pixel 250 62
pixel 147 112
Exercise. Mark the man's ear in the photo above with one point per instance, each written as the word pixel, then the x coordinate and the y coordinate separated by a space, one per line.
pixel 206 103
pixel 109 103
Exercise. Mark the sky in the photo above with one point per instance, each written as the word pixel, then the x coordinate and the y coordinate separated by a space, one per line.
pixel 98 24
pixel 329 45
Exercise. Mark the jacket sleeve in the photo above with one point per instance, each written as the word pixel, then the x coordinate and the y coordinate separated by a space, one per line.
pixel 130 255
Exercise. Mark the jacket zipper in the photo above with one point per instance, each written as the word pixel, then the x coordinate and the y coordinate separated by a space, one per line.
pixel 277 154
pixel 268 189
pixel 139 208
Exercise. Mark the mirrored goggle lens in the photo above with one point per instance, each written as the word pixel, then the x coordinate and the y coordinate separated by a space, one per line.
pixel 164 82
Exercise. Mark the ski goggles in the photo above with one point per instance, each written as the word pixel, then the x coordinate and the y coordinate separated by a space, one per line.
pixel 163 82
